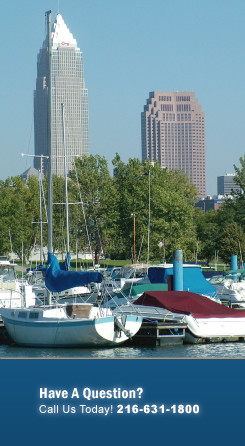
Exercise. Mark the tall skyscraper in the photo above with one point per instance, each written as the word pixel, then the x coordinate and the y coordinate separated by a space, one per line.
pixel 68 88
pixel 173 133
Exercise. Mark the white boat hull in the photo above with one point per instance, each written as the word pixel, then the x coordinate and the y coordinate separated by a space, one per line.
pixel 215 329
pixel 67 332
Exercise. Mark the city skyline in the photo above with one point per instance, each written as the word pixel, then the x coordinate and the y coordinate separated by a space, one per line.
pixel 129 49
pixel 69 101
pixel 173 133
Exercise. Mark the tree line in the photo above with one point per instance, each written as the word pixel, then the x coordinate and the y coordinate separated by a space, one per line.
pixel 141 208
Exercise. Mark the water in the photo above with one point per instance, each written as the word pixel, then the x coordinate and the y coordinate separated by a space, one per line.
pixel 227 350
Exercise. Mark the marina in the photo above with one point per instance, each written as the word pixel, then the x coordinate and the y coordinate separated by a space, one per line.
pixel 147 315
pixel 143 304
pixel 138 305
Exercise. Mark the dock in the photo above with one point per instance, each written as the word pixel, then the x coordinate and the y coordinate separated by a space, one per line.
pixel 156 333
pixel 4 337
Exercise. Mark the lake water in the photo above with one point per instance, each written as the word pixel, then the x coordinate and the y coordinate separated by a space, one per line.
pixel 227 350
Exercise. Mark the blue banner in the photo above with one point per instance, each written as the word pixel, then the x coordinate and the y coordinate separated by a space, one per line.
pixel 122 401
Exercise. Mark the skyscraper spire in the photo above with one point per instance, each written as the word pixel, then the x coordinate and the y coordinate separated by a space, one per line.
pixel 61 34
pixel 67 86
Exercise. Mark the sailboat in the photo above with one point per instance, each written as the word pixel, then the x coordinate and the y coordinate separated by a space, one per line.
pixel 66 325
pixel 75 325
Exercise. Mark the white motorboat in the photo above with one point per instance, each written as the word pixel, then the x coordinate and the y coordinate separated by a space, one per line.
pixel 126 276
pixel 76 325
pixel 206 320
pixel 36 278
pixel 230 288
pixel 13 292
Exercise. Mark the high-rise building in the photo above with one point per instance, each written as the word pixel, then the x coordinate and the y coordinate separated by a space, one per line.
pixel 226 185
pixel 173 133
pixel 68 93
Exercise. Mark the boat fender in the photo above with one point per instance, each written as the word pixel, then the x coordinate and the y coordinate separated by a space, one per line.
pixel 121 327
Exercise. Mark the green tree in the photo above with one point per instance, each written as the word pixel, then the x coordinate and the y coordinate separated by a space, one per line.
pixel 59 214
pixel 171 207
pixel 19 206
pixel 233 242
pixel 208 233
pixel 132 182
pixel 226 214
pixel 239 178
pixel 175 197
pixel 92 183
pixel 240 197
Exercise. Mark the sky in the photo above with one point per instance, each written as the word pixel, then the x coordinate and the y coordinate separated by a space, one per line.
pixel 130 48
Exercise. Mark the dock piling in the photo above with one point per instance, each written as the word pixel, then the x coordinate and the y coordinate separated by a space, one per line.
pixel 178 270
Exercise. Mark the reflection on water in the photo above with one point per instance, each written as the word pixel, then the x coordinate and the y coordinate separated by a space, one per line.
pixel 228 350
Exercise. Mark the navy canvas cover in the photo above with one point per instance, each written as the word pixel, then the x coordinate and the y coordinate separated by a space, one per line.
pixel 57 280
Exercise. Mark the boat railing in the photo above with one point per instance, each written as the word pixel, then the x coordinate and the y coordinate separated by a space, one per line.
pixel 15 296
pixel 143 311
pixel 158 313
pixel 7 284
pixel 129 307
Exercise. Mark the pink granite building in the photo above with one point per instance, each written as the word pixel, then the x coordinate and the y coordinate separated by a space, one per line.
pixel 173 133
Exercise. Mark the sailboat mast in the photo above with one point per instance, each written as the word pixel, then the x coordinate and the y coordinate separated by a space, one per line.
pixel 66 179
pixel 149 218
pixel 50 169
pixel 41 216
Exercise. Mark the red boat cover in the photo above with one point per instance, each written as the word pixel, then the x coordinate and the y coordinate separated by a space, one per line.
pixel 184 302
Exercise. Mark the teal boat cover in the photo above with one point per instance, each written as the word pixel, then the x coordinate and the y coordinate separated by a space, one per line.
pixel 137 290
pixel 57 280
pixel 193 279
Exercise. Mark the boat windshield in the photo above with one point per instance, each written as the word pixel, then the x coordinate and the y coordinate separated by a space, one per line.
pixel 127 273
pixel 35 277
pixel 7 273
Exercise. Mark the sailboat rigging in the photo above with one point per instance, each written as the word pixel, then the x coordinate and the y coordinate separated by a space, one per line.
pixel 63 325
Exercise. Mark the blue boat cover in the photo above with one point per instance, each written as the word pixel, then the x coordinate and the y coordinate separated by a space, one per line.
pixel 211 274
pixel 193 279
pixel 57 280
pixel 66 265
pixel 36 268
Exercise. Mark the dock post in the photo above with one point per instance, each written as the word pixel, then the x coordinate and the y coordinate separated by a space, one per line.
pixel 234 265
pixel 233 262
pixel 178 270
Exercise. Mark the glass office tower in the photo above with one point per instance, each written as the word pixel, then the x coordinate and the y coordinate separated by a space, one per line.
pixel 173 133
pixel 68 88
